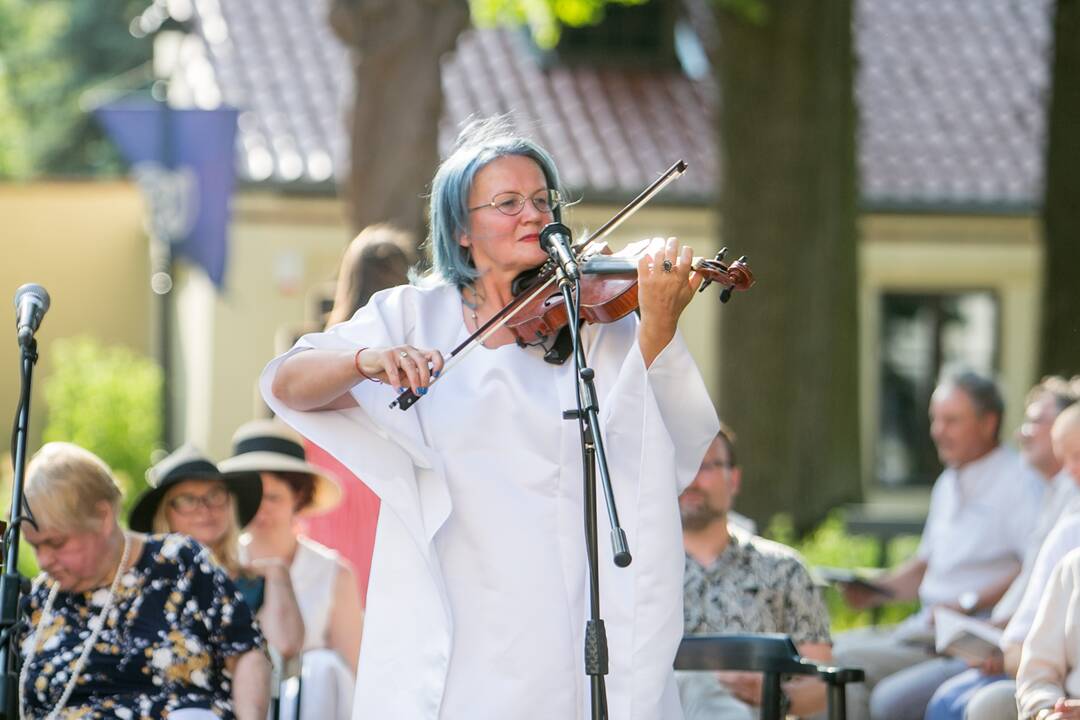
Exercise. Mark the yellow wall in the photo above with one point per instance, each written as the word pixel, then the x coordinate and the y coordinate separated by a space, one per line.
pixel 83 241
pixel 279 249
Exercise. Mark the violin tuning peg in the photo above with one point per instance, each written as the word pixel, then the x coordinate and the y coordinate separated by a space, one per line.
pixel 722 254
pixel 725 294
pixel 704 284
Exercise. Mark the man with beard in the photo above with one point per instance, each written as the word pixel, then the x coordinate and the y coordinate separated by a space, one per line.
pixel 736 582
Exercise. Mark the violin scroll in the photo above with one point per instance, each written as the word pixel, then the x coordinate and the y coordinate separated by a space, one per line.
pixel 736 276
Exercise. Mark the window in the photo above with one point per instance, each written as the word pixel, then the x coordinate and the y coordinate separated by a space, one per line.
pixel 629 35
pixel 924 336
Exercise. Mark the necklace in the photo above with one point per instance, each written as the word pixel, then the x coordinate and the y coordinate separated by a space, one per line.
pixel 472 306
pixel 87 646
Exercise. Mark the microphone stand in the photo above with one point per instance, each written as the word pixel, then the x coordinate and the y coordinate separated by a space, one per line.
pixel 593 458
pixel 11 582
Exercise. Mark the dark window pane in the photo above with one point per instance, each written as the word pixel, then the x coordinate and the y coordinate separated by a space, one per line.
pixel 629 35
pixel 924 336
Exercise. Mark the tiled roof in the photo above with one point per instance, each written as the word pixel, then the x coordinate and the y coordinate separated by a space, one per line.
pixel 612 131
pixel 279 63
pixel 951 96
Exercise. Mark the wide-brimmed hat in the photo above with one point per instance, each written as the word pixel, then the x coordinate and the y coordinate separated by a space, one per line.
pixel 188 463
pixel 271 446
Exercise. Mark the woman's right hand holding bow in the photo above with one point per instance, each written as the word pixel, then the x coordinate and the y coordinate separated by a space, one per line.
pixel 322 379
pixel 402 366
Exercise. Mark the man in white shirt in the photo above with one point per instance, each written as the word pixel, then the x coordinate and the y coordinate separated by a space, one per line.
pixel 986 692
pixel 981 513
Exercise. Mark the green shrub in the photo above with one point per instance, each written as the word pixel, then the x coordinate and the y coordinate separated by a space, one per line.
pixel 830 544
pixel 108 400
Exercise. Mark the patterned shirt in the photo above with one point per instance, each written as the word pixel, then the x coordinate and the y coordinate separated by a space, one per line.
pixel 176 619
pixel 755 586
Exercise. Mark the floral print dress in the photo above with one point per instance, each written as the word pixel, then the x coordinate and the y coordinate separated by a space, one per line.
pixel 176 620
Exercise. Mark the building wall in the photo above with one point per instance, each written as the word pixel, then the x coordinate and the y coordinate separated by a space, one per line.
pixel 942 253
pixel 285 252
pixel 280 249
pixel 84 242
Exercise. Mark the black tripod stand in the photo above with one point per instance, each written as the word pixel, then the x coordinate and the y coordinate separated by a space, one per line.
pixel 12 584
pixel 593 458
pixel 31 304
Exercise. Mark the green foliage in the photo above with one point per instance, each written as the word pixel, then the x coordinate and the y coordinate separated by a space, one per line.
pixel 51 51
pixel 754 12
pixel 108 400
pixel 830 545
pixel 545 18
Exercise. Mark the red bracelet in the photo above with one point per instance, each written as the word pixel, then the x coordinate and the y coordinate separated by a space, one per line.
pixel 356 364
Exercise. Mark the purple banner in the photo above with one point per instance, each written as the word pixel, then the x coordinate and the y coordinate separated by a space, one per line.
pixel 183 160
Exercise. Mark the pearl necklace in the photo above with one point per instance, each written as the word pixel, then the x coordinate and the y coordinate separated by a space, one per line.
pixel 87 646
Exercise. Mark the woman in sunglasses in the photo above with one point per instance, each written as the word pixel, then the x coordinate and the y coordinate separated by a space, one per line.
pixel 189 496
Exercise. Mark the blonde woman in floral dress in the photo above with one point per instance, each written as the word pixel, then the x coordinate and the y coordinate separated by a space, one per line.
pixel 122 625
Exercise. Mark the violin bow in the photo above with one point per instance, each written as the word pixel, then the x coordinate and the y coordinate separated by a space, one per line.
pixel 672 173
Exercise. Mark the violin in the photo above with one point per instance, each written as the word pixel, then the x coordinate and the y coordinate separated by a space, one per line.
pixel 608 291
pixel 607 287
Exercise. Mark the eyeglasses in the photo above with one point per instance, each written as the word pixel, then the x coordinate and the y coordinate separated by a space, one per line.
pixel 188 504
pixel 716 465
pixel 512 203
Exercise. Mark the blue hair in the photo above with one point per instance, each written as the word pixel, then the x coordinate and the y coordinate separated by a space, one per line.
pixel 479 142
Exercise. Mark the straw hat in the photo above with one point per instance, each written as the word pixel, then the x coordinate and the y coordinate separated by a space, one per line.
pixel 188 463
pixel 271 446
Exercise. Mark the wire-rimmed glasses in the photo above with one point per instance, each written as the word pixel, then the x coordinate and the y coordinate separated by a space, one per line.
pixel 512 203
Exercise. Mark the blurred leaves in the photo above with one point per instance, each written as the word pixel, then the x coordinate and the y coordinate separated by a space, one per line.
pixel 51 51
pixel 545 18
pixel 754 12
pixel 108 400
pixel 830 545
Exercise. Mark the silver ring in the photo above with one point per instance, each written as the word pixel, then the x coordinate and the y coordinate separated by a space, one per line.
pixel 666 266
pixel 404 354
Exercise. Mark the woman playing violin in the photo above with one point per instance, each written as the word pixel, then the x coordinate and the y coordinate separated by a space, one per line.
pixel 478 593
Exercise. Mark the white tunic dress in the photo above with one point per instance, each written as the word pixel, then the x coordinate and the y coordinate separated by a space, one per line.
pixel 479 594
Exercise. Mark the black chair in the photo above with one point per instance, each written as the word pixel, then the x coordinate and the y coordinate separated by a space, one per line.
pixel 772 655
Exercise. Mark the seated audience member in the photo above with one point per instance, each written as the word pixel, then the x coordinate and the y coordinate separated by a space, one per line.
pixel 740 583
pixel 123 625
pixel 987 692
pixel 1048 680
pixel 324 583
pixel 189 496
pixel 982 510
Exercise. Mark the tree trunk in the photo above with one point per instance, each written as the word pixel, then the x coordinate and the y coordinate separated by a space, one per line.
pixel 396 47
pixel 1061 209
pixel 789 355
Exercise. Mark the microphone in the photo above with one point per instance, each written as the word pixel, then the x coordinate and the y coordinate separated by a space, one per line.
pixel 31 304
pixel 555 240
